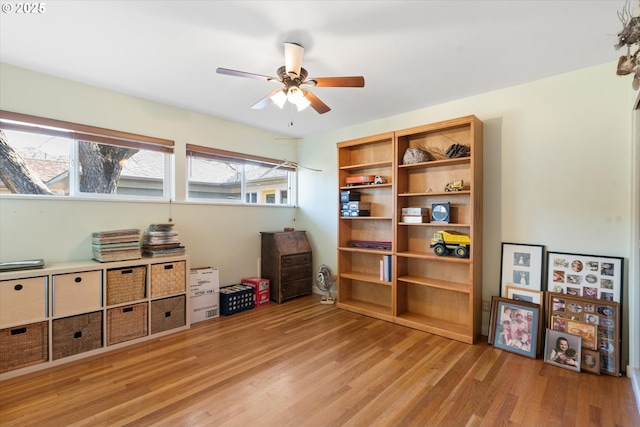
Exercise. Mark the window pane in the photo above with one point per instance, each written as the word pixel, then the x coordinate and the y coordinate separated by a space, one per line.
pixel 107 169
pixel 223 181
pixel 41 165
pixel 212 179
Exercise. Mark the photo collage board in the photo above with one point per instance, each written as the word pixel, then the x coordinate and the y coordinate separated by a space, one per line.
pixel 596 321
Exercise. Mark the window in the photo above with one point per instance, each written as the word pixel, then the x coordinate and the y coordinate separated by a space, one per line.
pixel 225 176
pixel 51 157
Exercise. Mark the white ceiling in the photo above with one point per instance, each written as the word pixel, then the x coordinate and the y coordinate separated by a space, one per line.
pixel 413 54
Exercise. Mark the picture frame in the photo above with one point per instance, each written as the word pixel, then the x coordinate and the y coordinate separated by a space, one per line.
pixel 521 294
pixel 600 316
pixel 521 267
pixel 515 326
pixel 563 350
pixel 588 276
pixel 590 361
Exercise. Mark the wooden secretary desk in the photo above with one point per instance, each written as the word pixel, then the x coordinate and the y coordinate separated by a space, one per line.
pixel 286 262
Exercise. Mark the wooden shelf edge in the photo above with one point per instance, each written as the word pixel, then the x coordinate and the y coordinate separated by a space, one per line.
pixel 367 309
pixel 360 187
pixel 434 283
pixel 363 277
pixel 437 163
pixel 436 193
pixel 386 163
pixel 435 326
pixel 365 250
pixel 433 257
pixel 366 218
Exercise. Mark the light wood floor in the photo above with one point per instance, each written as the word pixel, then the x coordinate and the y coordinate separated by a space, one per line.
pixel 304 364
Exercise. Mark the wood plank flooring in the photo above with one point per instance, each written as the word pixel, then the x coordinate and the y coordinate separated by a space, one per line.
pixel 305 364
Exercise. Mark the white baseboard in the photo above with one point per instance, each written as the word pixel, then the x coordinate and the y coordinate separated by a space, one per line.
pixel 634 374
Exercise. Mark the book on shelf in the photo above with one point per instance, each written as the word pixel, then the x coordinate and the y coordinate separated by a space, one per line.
pixel 415 211
pixel 415 219
pixel 385 268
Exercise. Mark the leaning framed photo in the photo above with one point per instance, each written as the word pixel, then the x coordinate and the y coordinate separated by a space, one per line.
pixel 521 267
pixel 563 349
pixel 515 326
pixel 588 276
pixel 520 294
pixel 590 361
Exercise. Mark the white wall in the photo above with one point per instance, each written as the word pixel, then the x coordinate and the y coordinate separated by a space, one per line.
pixel 556 168
pixel 227 237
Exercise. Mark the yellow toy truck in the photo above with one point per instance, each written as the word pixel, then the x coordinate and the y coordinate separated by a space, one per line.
pixel 443 242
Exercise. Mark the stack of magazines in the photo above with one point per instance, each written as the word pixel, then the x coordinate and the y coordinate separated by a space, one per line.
pixel 116 245
pixel 161 240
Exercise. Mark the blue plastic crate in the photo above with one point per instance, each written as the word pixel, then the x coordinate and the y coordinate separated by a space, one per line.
pixel 236 298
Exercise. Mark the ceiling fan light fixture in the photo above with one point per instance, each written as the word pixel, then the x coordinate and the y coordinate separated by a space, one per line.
pixel 294 94
pixel 279 98
pixel 303 103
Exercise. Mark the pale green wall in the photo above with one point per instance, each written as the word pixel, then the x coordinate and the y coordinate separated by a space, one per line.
pixel 557 168
pixel 227 237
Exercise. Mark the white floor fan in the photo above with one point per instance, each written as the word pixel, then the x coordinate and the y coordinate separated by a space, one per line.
pixel 324 281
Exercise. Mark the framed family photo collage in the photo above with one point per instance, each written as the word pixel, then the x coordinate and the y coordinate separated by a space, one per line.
pixel 571 314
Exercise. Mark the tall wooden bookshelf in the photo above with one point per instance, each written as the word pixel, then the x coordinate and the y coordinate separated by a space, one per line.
pixel 436 294
pixel 360 286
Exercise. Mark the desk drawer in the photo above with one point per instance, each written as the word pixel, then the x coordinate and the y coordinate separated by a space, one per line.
pixel 293 260
pixel 23 301
pixel 296 288
pixel 294 273
pixel 76 293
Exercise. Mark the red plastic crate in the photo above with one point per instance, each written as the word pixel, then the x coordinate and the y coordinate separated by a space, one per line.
pixel 260 289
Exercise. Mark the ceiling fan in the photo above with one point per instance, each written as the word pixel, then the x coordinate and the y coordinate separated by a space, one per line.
pixel 287 164
pixel 293 76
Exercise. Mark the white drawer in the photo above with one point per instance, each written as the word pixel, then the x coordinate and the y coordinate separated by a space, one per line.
pixel 76 293
pixel 23 301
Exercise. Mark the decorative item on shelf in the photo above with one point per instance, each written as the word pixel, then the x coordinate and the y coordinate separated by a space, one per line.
pixel 349 196
pixel 116 245
pixel 458 150
pixel 415 155
pixel 360 180
pixel 441 212
pixel 356 209
pixel 415 215
pixel 454 186
pixel 369 244
pixel 443 242
pixel 161 240
pixel 21 265
pixel 379 180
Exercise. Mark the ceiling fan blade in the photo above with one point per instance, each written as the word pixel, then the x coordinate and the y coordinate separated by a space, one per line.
pixel 296 165
pixel 353 81
pixel 236 73
pixel 293 58
pixel 264 101
pixel 316 104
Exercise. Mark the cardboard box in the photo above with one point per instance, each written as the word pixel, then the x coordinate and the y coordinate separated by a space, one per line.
pixel 260 288
pixel 204 293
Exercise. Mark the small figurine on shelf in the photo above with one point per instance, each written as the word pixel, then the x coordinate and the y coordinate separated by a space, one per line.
pixel 454 185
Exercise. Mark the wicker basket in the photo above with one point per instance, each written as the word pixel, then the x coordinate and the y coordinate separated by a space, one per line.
pixel 167 313
pixel 126 323
pixel 76 334
pixel 126 284
pixel 23 346
pixel 167 278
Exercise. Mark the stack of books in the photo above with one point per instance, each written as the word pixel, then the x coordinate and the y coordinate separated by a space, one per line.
pixel 116 245
pixel 161 240
pixel 416 215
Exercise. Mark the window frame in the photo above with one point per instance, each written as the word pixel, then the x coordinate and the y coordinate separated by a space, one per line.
pixel 78 132
pixel 210 153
